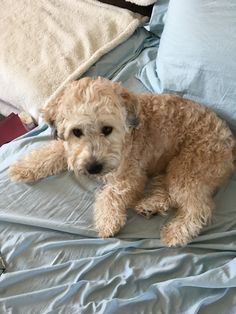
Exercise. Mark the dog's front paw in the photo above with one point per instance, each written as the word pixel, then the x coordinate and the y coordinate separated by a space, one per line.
pixel 107 225
pixel 175 234
pixel 19 172
pixel 144 211
pixel 110 213
pixel 149 206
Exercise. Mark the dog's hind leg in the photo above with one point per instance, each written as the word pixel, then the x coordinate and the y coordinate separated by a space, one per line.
pixel 45 161
pixel 191 184
pixel 156 200
pixel 192 178
pixel 195 213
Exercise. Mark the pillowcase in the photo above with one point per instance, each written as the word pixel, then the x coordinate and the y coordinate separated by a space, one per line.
pixel 158 17
pixel 147 73
pixel 197 54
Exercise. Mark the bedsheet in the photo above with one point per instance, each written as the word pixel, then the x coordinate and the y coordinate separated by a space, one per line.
pixel 55 263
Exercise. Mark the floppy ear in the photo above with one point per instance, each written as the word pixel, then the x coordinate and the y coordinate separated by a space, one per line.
pixel 131 104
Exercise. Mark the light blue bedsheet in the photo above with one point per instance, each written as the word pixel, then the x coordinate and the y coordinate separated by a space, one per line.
pixel 56 264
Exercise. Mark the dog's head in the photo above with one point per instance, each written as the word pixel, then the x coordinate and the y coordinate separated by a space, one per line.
pixel 94 118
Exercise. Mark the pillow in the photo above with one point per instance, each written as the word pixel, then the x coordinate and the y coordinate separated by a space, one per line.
pixel 46 43
pixel 197 54
pixel 147 73
pixel 158 17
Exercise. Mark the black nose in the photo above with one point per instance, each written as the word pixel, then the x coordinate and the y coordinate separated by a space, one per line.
pixel 94 168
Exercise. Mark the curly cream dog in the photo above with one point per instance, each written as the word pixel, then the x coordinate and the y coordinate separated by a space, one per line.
pixel 106 131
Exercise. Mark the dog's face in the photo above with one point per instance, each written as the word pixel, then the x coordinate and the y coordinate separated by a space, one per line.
pixel 94 118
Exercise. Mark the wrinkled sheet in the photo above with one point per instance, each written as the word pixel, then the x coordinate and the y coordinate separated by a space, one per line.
pixel 56 263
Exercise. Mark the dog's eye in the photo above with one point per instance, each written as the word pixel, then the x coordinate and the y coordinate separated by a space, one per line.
pixel 106 130
pixel 77 132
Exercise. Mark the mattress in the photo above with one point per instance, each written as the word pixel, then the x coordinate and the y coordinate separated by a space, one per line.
pixel 55 263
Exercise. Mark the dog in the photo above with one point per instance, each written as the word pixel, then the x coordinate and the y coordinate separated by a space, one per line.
pixel 105 131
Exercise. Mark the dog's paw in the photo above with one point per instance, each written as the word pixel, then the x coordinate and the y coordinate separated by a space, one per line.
pixel 106 231
pixel 107 227
pixel 175 234
pixel 109 213
pixel 19 172
pixel 148 207
pixel 142 210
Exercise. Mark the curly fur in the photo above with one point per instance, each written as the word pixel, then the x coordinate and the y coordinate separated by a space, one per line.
pixel 185 148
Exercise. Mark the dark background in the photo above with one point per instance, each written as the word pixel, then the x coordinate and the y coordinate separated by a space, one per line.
pixel 144 10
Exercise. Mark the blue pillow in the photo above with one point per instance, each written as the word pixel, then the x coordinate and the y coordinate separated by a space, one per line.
pixel 157 20
pixel 197 55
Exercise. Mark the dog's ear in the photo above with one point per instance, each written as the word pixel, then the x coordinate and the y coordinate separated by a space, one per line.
pixel 131 104
pixel 132 108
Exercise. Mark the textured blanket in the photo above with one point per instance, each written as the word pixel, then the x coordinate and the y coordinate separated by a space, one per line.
pixel 46 43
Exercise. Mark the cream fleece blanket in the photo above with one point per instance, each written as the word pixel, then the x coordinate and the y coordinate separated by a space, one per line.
pixel 46 43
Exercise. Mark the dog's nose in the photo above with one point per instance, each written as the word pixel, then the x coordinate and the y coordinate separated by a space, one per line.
pixel 94 168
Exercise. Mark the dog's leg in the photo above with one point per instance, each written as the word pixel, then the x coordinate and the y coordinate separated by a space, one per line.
pixel 112 202
pixel 195 213
pixel 47 160
pixel 190 187
pixel 192 177
pixel 156 201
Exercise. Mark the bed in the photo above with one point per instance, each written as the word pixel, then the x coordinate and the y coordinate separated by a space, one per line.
pixel 51 258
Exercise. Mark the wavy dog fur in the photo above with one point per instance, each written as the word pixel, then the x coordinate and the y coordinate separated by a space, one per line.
pixel 186 150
